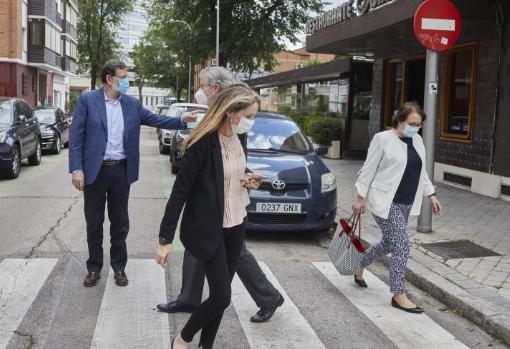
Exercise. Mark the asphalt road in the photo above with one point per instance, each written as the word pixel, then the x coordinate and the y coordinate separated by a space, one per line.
pixel 44 305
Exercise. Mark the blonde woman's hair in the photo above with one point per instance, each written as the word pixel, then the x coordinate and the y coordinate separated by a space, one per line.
pixel 233 98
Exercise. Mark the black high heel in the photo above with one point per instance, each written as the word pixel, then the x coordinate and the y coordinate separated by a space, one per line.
pixel 360 283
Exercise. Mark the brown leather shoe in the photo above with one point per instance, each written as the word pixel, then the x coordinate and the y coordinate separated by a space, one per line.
pixel 121 278
pixel 91 279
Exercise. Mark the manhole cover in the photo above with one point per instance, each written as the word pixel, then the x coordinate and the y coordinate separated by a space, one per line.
pixel 459 249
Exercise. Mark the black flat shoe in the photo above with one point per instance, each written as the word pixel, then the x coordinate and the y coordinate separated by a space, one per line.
pixel 415 310
pixel 175 307
pixel 360 283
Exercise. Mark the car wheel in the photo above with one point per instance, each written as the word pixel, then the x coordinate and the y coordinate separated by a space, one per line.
pixel 35 159
pixel 14 169
pixel 163 149
pixel 58 146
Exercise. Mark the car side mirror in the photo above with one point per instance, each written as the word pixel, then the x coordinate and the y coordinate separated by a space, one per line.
pixel 22 119
pixel 321 150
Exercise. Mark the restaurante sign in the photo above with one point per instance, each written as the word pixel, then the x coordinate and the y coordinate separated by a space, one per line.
pixel 349 9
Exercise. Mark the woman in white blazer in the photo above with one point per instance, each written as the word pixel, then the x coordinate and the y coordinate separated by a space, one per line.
pixel 391 185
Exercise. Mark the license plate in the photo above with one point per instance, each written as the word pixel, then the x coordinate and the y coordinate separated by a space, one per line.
pixel 278 208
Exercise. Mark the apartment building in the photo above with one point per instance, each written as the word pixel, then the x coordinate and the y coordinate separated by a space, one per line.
pixel 38 50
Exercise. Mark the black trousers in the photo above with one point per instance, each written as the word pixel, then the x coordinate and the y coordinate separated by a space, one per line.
pixel 253 278
pixel 110 187
pixel 219 271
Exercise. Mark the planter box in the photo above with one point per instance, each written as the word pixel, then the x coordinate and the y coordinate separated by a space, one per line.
pixel 334 150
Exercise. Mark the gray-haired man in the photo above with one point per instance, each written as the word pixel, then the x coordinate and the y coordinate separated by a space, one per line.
pixel 265 295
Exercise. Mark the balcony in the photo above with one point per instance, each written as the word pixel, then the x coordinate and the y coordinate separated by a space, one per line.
pixel 69 29
pixel 44 55
pixel 44 8
pixel 69 64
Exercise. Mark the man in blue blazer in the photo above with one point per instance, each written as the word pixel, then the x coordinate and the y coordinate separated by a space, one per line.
pixel 104 159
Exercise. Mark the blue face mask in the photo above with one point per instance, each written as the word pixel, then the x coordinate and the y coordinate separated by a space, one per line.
pixel 123 85
pixel 410 131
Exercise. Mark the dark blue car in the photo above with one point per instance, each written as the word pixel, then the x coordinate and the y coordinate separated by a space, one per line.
pixel 20 136
pixel 298 192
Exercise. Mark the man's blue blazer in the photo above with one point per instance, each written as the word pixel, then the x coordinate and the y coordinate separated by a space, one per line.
pixel 89 133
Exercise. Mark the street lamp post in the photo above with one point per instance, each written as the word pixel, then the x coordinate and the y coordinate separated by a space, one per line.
pixel 189 58
pixel 218 33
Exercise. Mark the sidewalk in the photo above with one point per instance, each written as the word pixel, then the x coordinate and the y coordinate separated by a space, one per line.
pixel 478 287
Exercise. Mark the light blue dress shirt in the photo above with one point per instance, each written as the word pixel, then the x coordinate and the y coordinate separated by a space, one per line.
pixel 115 121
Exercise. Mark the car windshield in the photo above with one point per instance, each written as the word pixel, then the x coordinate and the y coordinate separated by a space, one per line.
pixel 271 134
pixel 45 116
pixel 5 113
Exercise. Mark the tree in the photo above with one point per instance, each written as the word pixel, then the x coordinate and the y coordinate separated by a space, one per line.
pixel 251 31
pixel 157 63
pixel 97 42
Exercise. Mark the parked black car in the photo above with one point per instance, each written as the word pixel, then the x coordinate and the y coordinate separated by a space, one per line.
pixel 54 125
pixel 20 136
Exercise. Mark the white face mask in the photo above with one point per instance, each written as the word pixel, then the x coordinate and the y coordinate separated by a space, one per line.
pixel 201 97
pixel 243 126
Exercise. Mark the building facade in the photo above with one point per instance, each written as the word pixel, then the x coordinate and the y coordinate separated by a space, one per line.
pixel 472 142
pixel 38 50
pixel 340 88
pixel 133 26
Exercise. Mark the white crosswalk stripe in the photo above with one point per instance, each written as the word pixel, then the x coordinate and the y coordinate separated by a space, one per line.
pixel 127 318
pixel 20 282
pixel 404 330
pixel 279 333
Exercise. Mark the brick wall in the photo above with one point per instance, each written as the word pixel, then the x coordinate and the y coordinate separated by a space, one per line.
pixel 10 29
pixel 502 156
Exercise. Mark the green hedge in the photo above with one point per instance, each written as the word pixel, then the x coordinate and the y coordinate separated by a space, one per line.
pixel 326 129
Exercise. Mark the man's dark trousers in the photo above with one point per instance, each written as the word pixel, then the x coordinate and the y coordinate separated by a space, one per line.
pixel 261 290
pixel 111 187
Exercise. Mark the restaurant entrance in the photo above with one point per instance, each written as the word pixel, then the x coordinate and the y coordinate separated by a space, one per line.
pixel 405 81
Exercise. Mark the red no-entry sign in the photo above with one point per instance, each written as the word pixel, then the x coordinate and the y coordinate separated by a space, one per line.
pixel 437 24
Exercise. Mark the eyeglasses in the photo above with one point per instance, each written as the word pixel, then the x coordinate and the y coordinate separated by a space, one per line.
pixel 415 124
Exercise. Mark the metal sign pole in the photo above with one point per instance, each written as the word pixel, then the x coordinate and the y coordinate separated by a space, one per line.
pixel 429 132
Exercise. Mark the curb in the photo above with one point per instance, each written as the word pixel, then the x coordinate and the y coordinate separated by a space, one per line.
pixel 475 302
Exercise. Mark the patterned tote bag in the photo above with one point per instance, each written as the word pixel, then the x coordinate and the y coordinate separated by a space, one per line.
pixel 345 250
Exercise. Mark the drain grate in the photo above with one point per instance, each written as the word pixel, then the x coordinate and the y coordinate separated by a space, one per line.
pixel 459 249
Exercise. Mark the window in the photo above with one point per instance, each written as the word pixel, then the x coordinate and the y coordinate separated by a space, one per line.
pixel 36 32
pixel 458 93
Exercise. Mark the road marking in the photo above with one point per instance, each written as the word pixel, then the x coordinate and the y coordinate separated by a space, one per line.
pixel 288 329
pixel 127 317
pixel 20 282
pixel 403 329
pixel 438 24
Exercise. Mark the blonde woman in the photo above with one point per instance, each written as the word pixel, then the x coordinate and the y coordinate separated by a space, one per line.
pixel 212 184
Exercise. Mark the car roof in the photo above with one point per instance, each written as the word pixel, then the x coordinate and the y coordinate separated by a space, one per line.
pixel 196 105
pixel 51 108
pixel 268 115
pixel 10 99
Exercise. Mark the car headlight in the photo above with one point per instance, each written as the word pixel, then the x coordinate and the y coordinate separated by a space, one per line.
pixel 328 182
pixel 3 137
pixel 48 132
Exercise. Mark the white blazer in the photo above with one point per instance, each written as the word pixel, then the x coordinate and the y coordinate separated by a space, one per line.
pixel 380 176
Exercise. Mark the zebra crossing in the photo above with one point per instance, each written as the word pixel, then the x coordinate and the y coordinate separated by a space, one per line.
pixel 126 317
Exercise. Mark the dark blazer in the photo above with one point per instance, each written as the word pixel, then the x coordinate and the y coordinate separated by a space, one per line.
pixel 199 186
pixel 89 133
